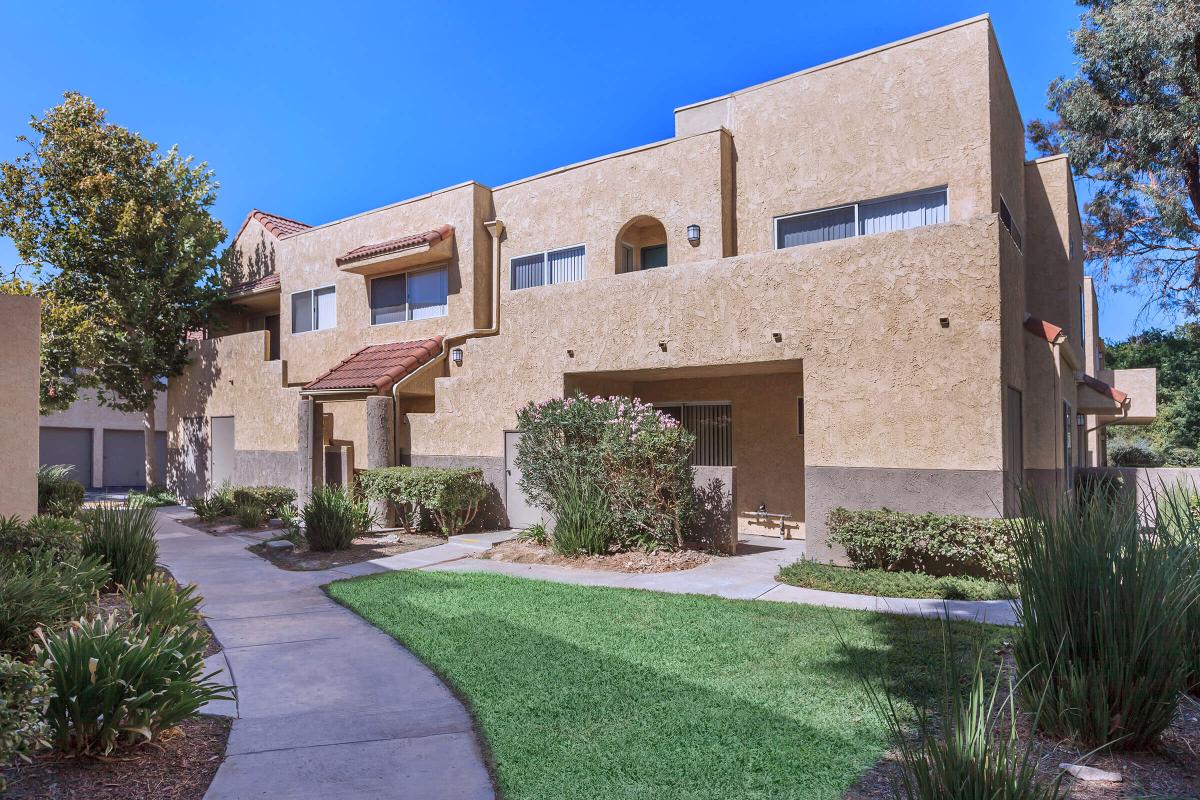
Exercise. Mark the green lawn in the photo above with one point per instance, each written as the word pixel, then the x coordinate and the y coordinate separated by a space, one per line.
pixel 586 692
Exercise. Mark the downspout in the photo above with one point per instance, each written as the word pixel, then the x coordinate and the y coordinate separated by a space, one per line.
pixel 496 229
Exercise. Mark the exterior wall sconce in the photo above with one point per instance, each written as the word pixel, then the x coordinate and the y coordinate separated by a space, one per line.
pixel 693 234
pixel 456 355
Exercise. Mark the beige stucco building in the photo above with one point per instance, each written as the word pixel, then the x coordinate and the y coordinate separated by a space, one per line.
pixel 20 330
pixel 848 282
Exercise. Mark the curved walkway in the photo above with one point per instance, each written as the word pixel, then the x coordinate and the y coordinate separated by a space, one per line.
pixel 328 707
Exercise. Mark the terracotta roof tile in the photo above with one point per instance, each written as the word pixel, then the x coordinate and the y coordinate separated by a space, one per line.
pixel 256 285
pixel 1104 389
pixel 278 226
pixel 1046 330
pixel 377 367
pixel 392 245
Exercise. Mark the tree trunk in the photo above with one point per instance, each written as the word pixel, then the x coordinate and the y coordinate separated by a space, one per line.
pixel 151 445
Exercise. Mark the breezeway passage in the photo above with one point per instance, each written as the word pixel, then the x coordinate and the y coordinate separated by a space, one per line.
pixel 328 707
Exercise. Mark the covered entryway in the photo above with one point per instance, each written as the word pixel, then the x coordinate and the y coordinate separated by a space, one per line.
pixel 520 513
pixel 69 446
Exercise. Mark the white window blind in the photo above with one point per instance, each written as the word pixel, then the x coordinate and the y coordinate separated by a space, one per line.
pixel 915 210
pixel 555 266
pixel 427 293
pixel 314 310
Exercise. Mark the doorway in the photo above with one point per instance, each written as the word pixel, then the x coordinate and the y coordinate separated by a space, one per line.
pixel 520 513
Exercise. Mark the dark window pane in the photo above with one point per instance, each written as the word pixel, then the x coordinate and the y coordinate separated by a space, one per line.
pixel 388 299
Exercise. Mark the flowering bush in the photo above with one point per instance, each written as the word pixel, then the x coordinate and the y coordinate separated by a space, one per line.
pixel 636 456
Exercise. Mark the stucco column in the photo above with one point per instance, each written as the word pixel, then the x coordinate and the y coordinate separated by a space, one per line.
pixel 97 457
pixel 380 444
pixel 309 449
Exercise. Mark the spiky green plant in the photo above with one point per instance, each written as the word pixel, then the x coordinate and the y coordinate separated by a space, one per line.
pixel 160 602
pixel 1103 609
pixel 124 538
pixel 114 684
pixel 583 520
pixel 1177 521
pixel 333 517
pixel 37 589
pixel 968 746
pixel 251 514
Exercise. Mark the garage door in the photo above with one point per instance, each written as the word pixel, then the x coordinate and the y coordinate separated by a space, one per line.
pixel 124 458
pixel 69 446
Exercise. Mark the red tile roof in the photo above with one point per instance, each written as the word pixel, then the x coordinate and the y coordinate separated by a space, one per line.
pixel 392 245
pixel 1046 330
pixel 277 226
pixel 377 367
pixel 256 285
pixel 1104 389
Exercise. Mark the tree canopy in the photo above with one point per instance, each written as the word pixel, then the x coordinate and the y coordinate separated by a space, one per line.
pixel 122 236
pixel 1130 121
pixel 1175 435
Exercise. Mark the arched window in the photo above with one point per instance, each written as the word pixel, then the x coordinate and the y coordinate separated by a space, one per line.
pixel 641 244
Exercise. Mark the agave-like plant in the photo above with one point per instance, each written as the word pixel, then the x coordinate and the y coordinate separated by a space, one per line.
pixel 124 538
pixel 1177 522
pixel 160 602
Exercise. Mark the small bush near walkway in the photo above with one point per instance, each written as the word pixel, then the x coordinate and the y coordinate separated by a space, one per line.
pixel 22 729
pixel 58 536
pixel 1103 622
pixel 635 455
pixel 124 538
pixel 38 589
pixel 935 544
pixel 451 496
pixel 273 499
pixel 881 583
pixel 58 494
pixel 1178 523
pixel 583 523
pixel 333 518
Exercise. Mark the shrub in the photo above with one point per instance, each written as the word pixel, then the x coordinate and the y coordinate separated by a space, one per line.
pixel 22 693
pixel 881 583
pixel 1133 454
pixel 114 684
pixel 160 602
pixel 1102 614
pixel 58 536
pixel 273 499
pixel 930 543
pixel 1109 486
pixel 451 496
pixel 636 456
pixel 583 520
pixel 37 589
pixel 536 534
pixel 216 505
pixel 58 494
pixel 333 517
pixel 1177 521
pixel 155 497
pixel 124 538
pixel 250 514
pixel 968 747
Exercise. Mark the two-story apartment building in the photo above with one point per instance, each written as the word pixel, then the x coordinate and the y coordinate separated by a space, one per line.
pixel 847 282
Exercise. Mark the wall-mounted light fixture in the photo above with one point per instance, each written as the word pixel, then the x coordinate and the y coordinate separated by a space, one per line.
pixel 456 355
pixel 693 234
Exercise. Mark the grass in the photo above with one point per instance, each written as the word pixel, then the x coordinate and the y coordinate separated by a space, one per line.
pixel 882 583
pixel 588 692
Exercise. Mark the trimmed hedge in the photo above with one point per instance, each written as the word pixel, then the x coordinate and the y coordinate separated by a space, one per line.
pixel 452 496
pixel 270 498
pixel 934 544
pixel 881 583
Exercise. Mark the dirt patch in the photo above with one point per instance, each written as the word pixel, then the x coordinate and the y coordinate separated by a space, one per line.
pixel 516 551
pixel 364 548
pixel 224 526
pixel 179 766
pixel 1169 770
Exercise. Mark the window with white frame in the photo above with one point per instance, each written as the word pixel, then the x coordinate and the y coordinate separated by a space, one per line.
pixel 553 266
pixel 409 296
pixel 711 424
pixel 314 309
pixel 913 210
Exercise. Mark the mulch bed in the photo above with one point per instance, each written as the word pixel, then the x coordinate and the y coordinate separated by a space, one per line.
pixel 1170 770
pixel 179 766
pixel 516 551
pixel 364 548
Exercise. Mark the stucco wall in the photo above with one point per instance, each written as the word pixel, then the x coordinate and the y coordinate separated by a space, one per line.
pixel 20 330
pixel 907 116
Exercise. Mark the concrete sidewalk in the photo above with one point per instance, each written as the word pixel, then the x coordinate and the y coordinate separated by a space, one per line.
pixel 328 706
pixel 750 575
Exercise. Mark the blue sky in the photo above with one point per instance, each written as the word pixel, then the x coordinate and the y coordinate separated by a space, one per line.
pixel 317 114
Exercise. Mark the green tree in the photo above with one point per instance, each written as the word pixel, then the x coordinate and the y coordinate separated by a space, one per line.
pixel 1175 434
pixel 1130 121
pixel 123 233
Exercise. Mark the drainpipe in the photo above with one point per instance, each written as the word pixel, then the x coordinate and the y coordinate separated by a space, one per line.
pixel 496 229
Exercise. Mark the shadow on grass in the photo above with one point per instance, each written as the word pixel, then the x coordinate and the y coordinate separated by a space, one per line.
pixel 595 692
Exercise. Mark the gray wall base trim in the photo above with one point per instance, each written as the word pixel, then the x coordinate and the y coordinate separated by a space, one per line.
pixel 977 493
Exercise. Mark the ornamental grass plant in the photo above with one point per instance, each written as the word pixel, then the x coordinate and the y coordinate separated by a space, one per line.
pixel 124 538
